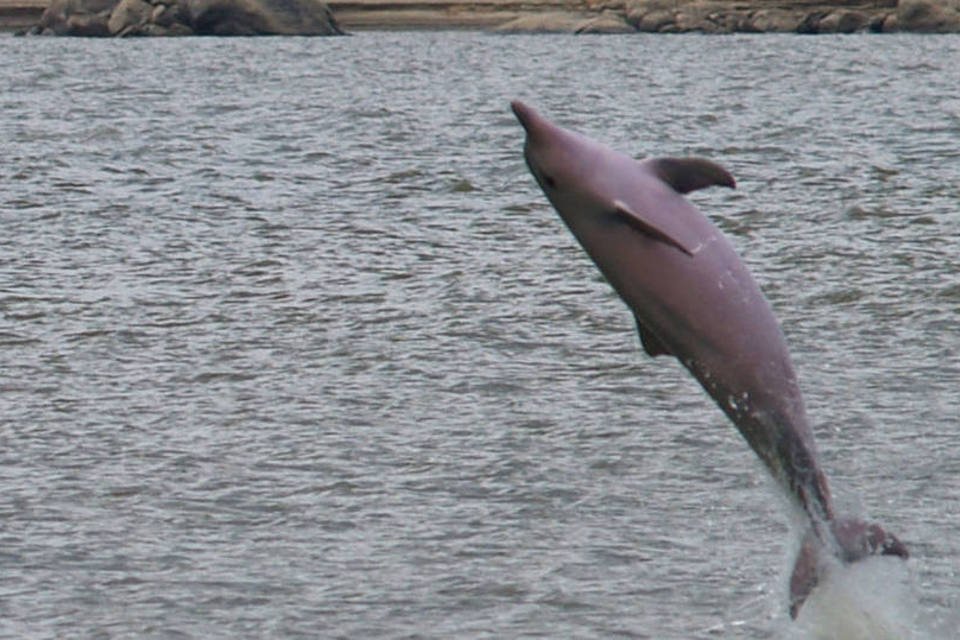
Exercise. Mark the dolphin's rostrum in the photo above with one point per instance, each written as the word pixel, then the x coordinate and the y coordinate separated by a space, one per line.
pixel 694 299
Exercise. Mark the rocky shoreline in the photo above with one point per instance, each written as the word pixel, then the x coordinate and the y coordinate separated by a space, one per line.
pixel 799 16
pixel 120 18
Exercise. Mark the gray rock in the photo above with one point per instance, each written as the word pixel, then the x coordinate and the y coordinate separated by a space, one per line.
pixel 652 16
pixel 545 22
pixel 776 20
pixel 842 22
pixel 607 22
pixel 810 16
pixel 151 30
pixel 811 22
pixel 566 22
pixel 646 6
pixel 76 17
pixel 88 25
pixel 123 18
pixel 686 21
pixel 876 23
pixel 178 29
pixel 129 15
pixel 163 16
pixel 651 22
pixel 261 17
pixel 705 16
pixel 929 16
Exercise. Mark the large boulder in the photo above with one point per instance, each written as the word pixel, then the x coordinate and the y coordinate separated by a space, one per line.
pixel 543 22
pixel 564 22
pixel 928 16
pixel 87 25
pixel 650 21
pixel 843 22
pixel 775 21
pixel 129 15
pixel 77 17
pixel 186 17
pixel 261 17
pixel 607 22
pixel 651 16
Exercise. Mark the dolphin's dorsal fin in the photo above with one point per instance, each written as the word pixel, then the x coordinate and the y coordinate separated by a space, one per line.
pixel 689 174
pixel 648 228
pixel 651 343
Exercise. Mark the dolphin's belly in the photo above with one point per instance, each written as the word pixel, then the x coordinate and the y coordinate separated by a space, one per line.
pixel 709 312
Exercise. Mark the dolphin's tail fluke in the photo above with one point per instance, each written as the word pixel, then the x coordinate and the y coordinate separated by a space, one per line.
pixel 852 540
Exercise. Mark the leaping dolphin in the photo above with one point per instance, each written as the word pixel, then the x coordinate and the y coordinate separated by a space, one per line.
pixel 694 299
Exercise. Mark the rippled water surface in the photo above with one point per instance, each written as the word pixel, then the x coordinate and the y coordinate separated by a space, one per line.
pixel 292 346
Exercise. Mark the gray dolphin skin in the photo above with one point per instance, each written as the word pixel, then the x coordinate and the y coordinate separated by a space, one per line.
pixel 693 298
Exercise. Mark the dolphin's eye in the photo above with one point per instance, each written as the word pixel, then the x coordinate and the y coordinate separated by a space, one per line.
pixel 548 181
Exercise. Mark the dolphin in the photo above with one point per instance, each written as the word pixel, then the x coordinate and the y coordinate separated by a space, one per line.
pixel 694 299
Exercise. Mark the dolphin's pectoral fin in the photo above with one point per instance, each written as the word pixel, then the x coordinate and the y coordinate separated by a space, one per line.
pixel 651 343
pixel 689 174
pixel 648 228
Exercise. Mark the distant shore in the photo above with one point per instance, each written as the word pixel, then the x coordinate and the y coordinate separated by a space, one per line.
pixel 613 16
pixel 20 14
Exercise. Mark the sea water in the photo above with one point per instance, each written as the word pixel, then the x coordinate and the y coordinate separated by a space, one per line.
pixel 291 345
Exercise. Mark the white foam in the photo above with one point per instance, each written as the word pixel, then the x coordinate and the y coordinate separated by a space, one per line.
pixel 868 600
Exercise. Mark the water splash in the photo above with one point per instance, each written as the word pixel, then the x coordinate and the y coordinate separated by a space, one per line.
pixel 869 600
